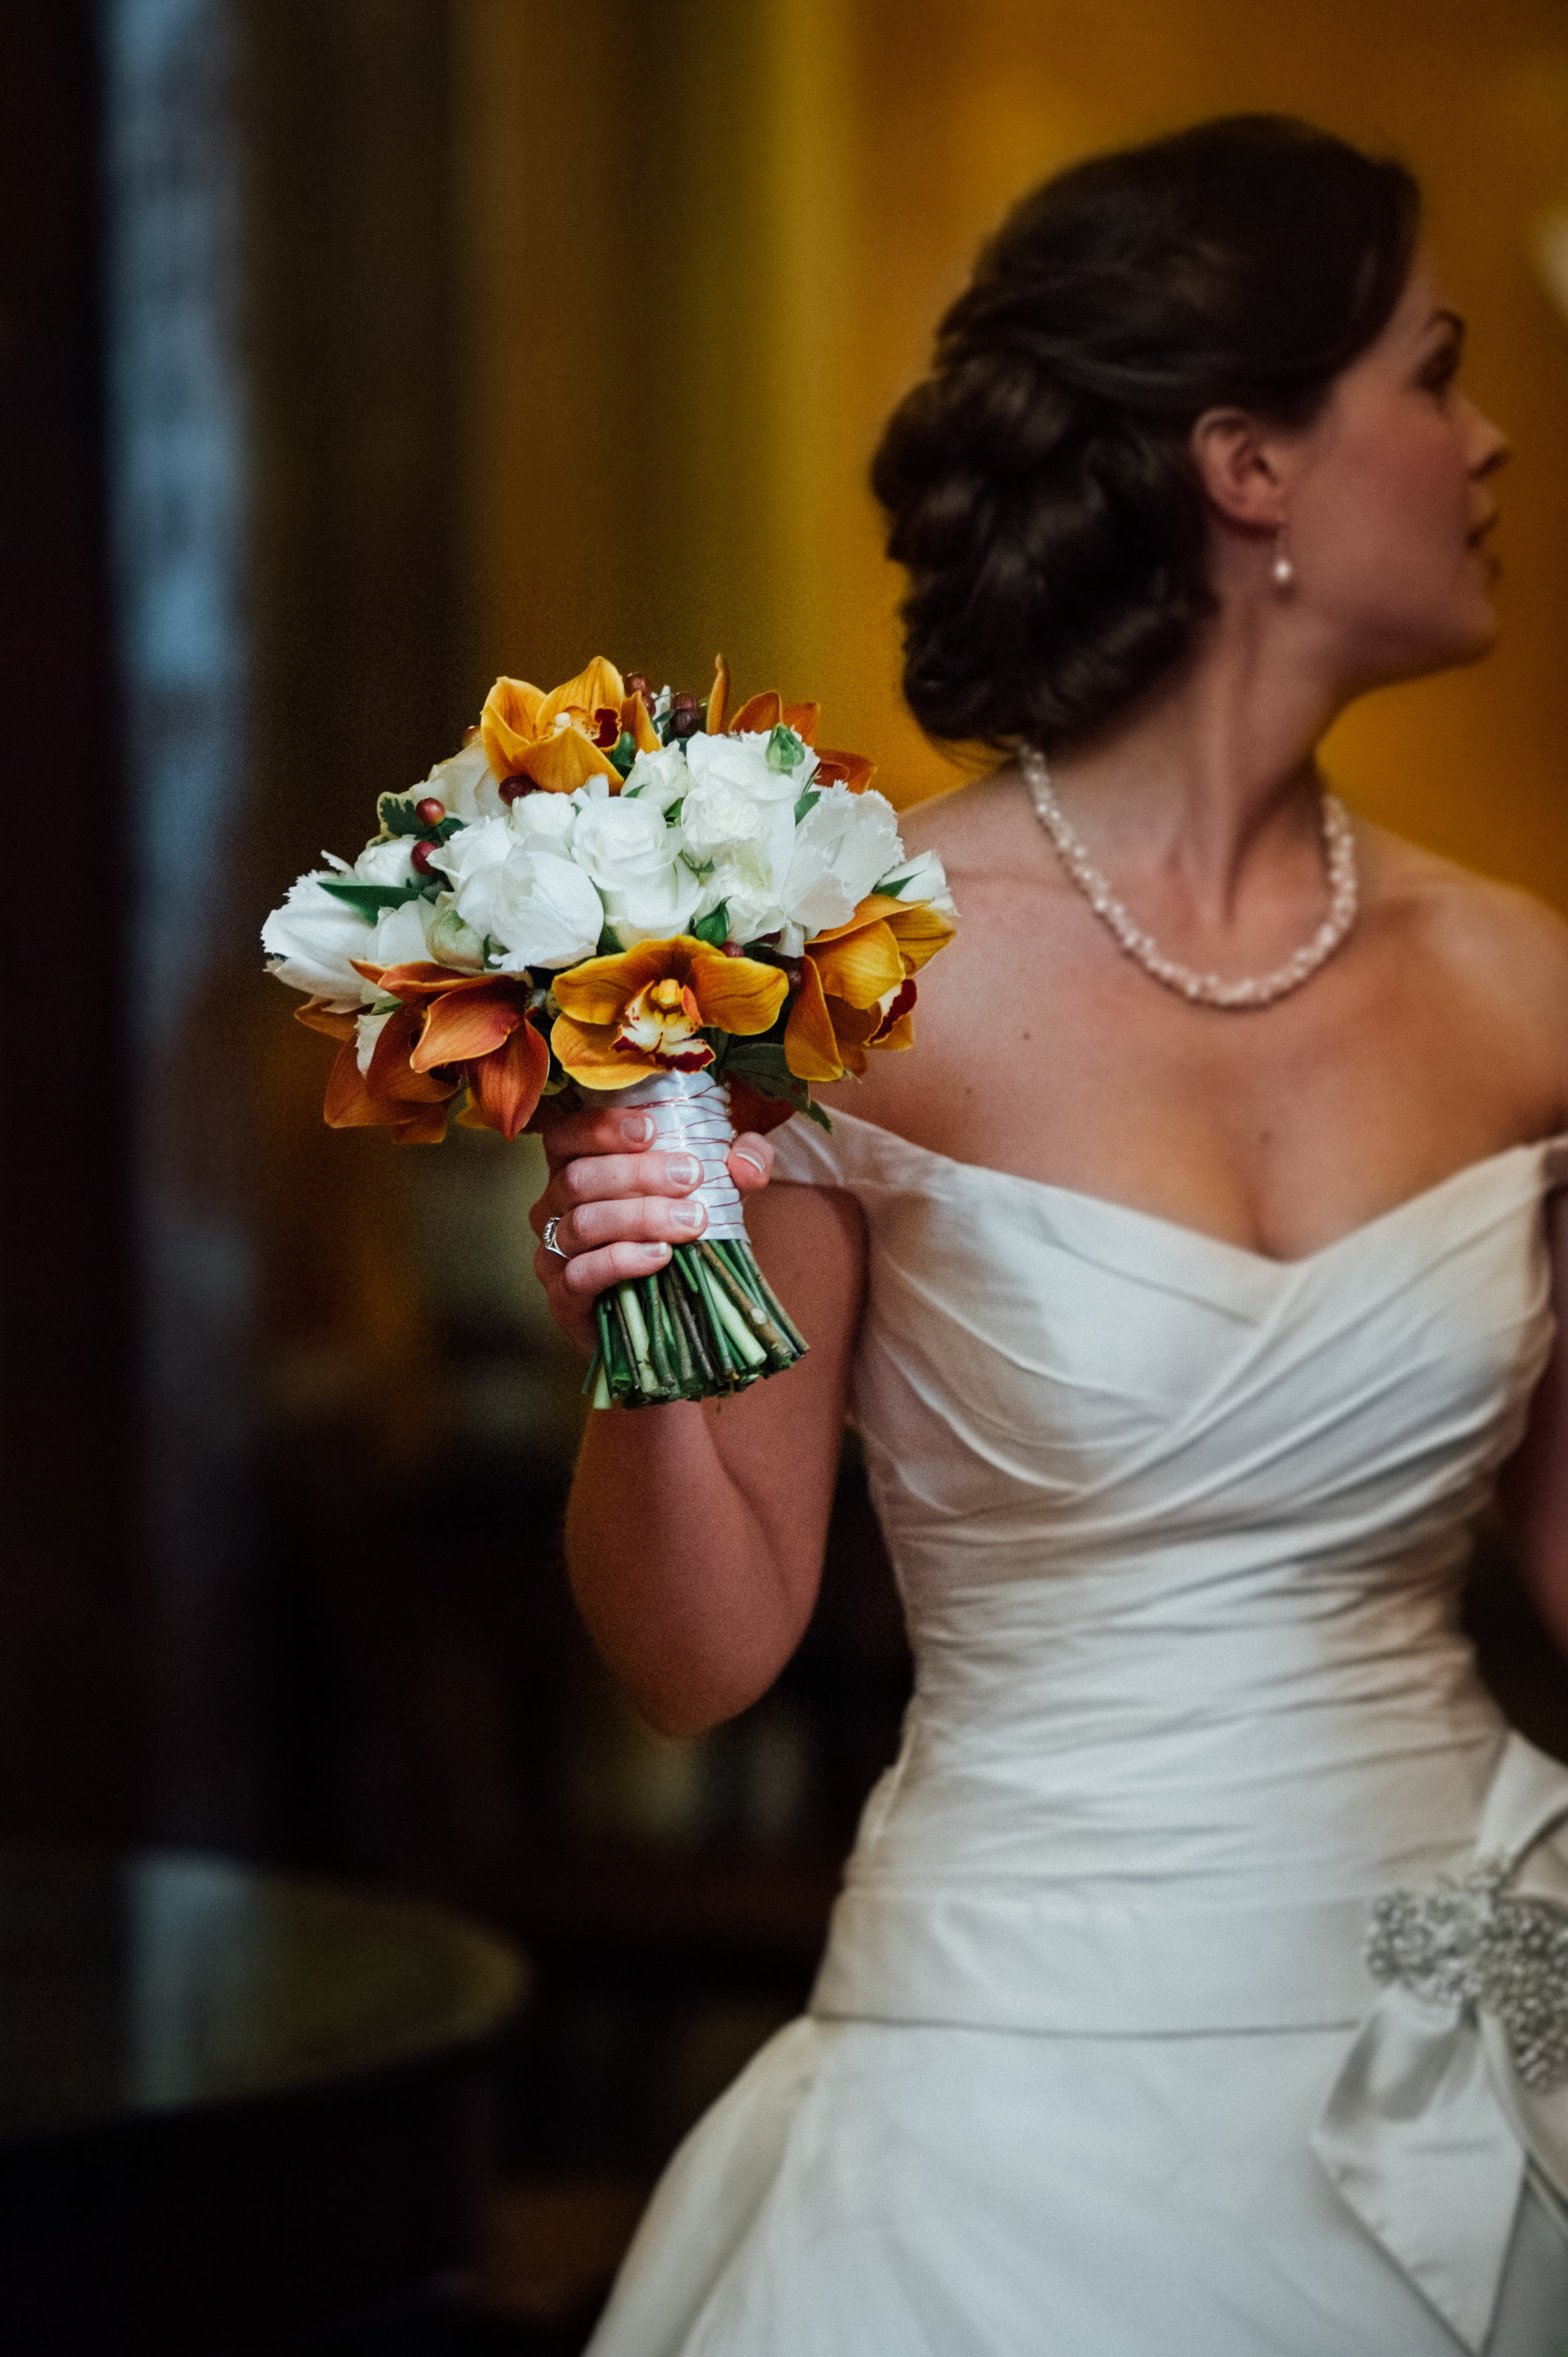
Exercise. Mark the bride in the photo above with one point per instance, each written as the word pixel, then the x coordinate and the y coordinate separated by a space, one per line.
pixel 1192 1290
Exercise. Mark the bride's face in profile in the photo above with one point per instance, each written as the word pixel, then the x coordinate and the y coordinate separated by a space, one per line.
pixel 1388 499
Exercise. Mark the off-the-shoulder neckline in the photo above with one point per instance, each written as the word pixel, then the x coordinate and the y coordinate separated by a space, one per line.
pixel 1200 1237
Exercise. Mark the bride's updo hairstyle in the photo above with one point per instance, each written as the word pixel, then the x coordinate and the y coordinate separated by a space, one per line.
pixel 1039 485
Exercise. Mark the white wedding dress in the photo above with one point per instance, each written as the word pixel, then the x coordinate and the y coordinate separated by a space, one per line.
pixel 1096 2065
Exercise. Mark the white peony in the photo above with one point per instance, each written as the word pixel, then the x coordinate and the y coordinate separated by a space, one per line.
pixel 659 778
pixel 921 878
pixel 841 845
pixel 467 784
pixel 540 909
pixel 718 815
pixel 741 883
pixel 311 938
pixel 648 891
pixel 742 762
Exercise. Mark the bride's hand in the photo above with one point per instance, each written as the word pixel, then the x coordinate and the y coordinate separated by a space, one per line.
pixel 619 1207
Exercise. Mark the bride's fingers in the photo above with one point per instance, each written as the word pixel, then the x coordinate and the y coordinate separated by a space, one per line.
pixel 636 1219
pixel 750 1161
pixel 600 1178
pixel 605 1130
pixel 590 1273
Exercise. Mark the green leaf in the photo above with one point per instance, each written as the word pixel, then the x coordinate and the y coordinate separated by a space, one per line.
pixel 609 943
pixel 398 815
pixel 808 802
pixel 714 927
pixel 786 751
pixel 369 900
pixel 892 891
pixel 623 753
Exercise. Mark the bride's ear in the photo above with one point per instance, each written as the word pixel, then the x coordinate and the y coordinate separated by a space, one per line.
pixel 1237 460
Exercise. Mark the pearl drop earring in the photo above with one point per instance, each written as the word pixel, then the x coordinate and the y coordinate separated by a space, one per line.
pixel 1283 570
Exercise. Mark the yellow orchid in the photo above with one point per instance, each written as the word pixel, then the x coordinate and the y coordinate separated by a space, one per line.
pixel 857 987
pixel 625 1018
pixel 558 741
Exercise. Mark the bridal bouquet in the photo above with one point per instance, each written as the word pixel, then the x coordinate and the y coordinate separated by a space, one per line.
pixel 609 890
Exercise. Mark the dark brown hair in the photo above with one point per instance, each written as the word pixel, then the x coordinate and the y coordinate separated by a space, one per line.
pixel 1038 484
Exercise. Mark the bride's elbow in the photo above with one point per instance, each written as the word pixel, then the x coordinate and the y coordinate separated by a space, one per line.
pixel 682 1710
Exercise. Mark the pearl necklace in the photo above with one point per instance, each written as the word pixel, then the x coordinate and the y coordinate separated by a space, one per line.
pixel 1253 990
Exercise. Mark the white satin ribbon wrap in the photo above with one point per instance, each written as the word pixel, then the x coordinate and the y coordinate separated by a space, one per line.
pixel 691 1116
pixel 1429 2126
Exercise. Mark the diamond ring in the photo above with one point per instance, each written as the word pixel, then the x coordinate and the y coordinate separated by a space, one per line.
pixel 549 1239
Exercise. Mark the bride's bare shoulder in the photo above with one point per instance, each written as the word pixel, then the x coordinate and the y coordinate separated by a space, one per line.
pixel 1498 938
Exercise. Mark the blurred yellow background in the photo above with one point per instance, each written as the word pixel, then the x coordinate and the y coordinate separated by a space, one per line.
pixel 704 247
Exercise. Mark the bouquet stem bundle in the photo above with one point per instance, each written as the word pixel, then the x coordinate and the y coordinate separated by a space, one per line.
pixel 708 1322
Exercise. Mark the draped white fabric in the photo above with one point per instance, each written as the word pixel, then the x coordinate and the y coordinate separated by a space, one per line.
pixel 1095 2063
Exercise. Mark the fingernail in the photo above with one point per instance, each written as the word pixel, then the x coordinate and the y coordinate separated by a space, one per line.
pixel 757 1164
pixel 654 1254
pixel 637 1128
pixel 689 1216
pixel 684 1169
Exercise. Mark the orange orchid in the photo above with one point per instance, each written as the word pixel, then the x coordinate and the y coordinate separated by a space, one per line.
pixel 625 1018
pixel 452 1031
pixel 558 741
pixel 857 987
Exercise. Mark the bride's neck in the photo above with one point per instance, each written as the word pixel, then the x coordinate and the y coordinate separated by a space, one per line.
pixel 1212 772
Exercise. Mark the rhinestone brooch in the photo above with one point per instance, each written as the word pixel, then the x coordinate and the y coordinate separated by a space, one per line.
pixel 1471 1940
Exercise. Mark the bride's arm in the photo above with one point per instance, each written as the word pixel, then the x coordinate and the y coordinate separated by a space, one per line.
pixel 1533 1490
pixel 695 1534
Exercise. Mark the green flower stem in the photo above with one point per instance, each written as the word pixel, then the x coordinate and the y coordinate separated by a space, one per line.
pixel 707 1374
pixel 652 1319
pixel 632 1383
pixel 744 1261
pixel 686 1375
pixel 760 1328
pixel 743 1344
pixel 705 1325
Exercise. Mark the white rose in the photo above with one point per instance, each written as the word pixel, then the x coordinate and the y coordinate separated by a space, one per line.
pixel 841 845
pixel 659 778
pixel 386 863
pixel 543 910
pixel 311 938
pixel 467 784
pixel 545 820
pixel 921 878
pixel 648 891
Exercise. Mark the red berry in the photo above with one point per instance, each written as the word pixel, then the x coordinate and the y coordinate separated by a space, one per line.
pixel 430 812
pixel 511 790
pixel 419 857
